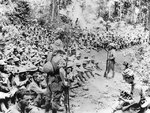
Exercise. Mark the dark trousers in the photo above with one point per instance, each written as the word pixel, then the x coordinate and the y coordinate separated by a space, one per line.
pixel 110 65
pixel 54 93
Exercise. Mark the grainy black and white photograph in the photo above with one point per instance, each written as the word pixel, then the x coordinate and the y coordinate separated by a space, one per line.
pixel 74 56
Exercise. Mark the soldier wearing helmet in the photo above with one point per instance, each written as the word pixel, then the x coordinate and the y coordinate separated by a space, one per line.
pixel 110 63
pixel 136 92
pixel 55 80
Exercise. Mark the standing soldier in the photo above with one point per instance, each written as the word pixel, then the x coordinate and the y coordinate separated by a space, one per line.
pixel 55 80
pixel 110 63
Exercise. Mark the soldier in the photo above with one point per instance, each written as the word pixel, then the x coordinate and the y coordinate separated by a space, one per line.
pixel 80 71
pixel 23 102
pixel 20 79
pixel 136 92
pixel 35 85
pixel 58 45
pixel 55 80
pixel 110 63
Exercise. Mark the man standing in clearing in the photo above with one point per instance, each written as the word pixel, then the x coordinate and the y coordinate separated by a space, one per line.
pixel 110 63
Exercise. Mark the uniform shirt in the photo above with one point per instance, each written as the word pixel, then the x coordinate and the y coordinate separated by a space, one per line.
pixel 111 54
pixel 34 87
pixel 137 92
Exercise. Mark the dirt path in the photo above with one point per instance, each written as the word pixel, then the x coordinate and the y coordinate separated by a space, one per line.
pixel 98 94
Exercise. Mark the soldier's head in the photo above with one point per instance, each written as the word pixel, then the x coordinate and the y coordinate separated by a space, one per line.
pixel 69 67
pixel 111 46
pixel 24 98
pixel 61 63
pixel 78 56
pixel 15 52
pixel 126 64
pixel 38 76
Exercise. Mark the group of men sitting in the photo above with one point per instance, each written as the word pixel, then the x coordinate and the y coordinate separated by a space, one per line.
pixel 124 37
pixel 33 77
pixel 137 98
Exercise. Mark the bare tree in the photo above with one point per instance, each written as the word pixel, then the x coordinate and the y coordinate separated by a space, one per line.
pixel 149 19
pixel 53 9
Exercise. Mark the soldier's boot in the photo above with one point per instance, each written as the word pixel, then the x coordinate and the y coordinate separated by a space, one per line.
pixel 113 74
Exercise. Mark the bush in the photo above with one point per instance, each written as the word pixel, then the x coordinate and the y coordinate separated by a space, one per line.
pixel 21 14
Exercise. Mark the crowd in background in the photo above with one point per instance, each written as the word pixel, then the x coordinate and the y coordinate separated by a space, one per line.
pixel 25 50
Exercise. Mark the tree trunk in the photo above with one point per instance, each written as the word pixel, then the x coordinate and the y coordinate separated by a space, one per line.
pixel 149 20
pixel 54 4
pixel 53 10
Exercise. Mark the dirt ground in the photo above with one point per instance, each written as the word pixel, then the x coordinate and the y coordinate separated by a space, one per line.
pixel 99 94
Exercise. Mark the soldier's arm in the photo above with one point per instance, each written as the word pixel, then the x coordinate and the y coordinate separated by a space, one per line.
pixel 62 74
pixel 38 90
pixel 139 94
